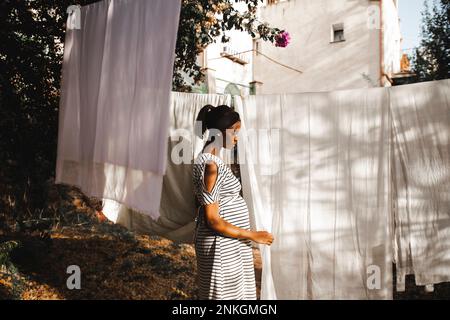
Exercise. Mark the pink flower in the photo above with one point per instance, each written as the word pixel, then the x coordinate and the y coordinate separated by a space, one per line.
pixel 282 39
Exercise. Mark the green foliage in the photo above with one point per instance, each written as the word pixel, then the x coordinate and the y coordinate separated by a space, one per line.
pixel 31 34
pixel 9 270
pixel 431 61
pixel 31 49
pixel 204 21
pixel 5 250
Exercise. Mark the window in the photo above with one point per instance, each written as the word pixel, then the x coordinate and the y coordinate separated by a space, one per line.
pixel 338 32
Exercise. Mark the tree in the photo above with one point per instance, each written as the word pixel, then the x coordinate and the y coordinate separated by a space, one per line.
pixel 431 61
pixel 204 21
pixel 31 51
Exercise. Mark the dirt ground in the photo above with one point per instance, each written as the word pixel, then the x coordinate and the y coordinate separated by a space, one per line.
pixel 114 264
pixel 117 264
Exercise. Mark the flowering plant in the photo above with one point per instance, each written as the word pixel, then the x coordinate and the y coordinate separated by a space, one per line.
pixel 282 39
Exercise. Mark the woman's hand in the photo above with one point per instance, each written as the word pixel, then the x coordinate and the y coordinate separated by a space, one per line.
pixel 262 237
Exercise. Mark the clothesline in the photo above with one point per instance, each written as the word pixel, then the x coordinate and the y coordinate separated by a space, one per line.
pixel 264 55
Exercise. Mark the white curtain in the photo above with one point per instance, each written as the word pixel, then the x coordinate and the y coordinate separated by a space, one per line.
pixel 177 207
pixel 114 115
pixel 421 180
pixel 315 174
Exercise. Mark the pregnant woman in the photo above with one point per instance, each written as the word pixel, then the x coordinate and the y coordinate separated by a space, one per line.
pixel 222 234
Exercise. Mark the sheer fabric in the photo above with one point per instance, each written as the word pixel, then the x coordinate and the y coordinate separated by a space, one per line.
pixel 114 115
pixel 177 207
pixel 421 181
pixel 316 176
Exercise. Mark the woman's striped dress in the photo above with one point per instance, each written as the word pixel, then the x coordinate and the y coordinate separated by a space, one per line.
pixel 225 265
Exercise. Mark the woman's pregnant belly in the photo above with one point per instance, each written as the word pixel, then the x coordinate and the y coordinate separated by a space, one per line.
pixel 236 212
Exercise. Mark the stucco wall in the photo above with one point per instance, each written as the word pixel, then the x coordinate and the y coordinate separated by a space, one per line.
pixel 354 63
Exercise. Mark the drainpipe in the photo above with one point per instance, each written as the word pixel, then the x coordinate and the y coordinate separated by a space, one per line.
pixel 381 45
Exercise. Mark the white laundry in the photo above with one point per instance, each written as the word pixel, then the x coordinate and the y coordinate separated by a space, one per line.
pixel 177 208
pixel 421 181
pixel 117 76
pixel 317 178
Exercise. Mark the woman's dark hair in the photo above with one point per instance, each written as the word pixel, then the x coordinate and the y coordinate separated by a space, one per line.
pixel 221 117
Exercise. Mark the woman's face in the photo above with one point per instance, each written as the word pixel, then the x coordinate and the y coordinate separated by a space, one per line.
pixel 231 135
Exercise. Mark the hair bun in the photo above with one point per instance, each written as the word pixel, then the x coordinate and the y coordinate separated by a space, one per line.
pixel 220 117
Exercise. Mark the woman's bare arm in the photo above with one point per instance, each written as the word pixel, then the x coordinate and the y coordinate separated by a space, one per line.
pixel 215 222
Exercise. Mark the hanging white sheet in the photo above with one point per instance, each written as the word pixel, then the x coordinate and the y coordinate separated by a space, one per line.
pixel 421 181
pixel 314 170
pixel 114 115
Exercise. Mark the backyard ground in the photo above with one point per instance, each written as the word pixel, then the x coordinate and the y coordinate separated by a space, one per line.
pixel 114 262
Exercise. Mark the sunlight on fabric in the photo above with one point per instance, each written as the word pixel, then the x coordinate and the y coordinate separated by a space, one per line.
pixel 328 205
pixel 114 112
pixel 176 208
pixel 421 179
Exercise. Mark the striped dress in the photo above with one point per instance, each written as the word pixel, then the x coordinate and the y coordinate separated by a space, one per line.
pixel 225 265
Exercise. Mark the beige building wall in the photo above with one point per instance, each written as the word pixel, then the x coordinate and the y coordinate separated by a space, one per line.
pixel 326 64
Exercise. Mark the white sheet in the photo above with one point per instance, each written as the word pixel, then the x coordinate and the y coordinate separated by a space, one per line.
pixel 318 180
pixel 421 180
pixel 117 77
